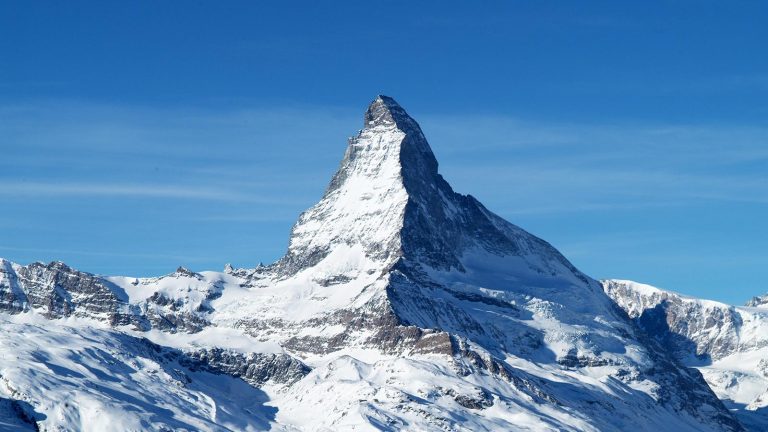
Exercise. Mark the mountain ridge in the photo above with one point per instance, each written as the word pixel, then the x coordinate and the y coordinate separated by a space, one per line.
pixel 727 344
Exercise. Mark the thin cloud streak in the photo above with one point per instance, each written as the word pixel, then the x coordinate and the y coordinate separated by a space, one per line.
pixel 567 191
pixel 579 207
pixel 718 143
pixel 551 167
pixel 246 218
pixel 213 179
pixel 27 189
pixel 106 254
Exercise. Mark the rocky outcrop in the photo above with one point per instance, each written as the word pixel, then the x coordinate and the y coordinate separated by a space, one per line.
pixel 727 344
pixel 758 302
pixel 185 306
pixel 13 299
pixel 686 327
pixel 255 368
pixel 58 291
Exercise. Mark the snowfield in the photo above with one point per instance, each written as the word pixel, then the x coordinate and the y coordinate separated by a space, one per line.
pixel 82 376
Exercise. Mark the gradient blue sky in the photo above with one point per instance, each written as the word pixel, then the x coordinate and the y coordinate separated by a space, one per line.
pixel 139 136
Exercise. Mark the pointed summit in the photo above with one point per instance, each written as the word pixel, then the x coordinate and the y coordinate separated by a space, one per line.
pixel 384 118
pixel 385 111
pixel 388 203
pixel 364 203
pixel 385 115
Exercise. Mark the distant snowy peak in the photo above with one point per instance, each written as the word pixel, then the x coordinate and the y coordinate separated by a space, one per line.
pixel 58 290
pixel 758 301
pixel 690 327
pixel 728 344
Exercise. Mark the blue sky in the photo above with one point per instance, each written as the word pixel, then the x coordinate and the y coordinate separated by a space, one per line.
pixel 139 136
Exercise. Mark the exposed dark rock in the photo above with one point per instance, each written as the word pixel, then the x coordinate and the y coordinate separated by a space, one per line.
pixel 59 291
pixel 480 400
pixel 758 301
pixel 683 327
pixel 12 296
pixel 254 368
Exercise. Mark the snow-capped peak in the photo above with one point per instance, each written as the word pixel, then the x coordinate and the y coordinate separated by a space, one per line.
pixel 758 302
pixel 388 198
pixel 366 198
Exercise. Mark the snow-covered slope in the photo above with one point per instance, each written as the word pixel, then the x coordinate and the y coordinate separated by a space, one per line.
pixel 87 378
pixel 399 304
pixel 728 344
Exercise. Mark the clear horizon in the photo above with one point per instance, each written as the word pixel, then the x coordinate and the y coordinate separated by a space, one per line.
pixel 140 138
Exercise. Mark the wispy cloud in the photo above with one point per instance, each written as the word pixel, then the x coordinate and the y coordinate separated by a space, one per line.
pixel 565 208
pixel 246 218
pixel 250 155
pixel 566 168
pixel 29 189
pixel 226 184
pixel 90 253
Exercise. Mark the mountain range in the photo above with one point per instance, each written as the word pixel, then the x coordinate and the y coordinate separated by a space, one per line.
pixel 400 304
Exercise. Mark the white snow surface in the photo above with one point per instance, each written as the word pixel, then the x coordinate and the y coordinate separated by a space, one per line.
pixel 82 375
pixel 76 376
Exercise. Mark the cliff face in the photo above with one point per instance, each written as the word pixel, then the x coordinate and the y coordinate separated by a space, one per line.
pixel 58 291
pixel 728 344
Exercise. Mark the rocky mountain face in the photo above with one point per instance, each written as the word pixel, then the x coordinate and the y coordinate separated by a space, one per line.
pixel 758 301
pixel 728 344
pixel 688 328
pixel 58 291
pixel 400 304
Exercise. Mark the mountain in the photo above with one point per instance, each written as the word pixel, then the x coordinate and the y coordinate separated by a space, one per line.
pixel 758 301
pixel 727 344
pixel 399 304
